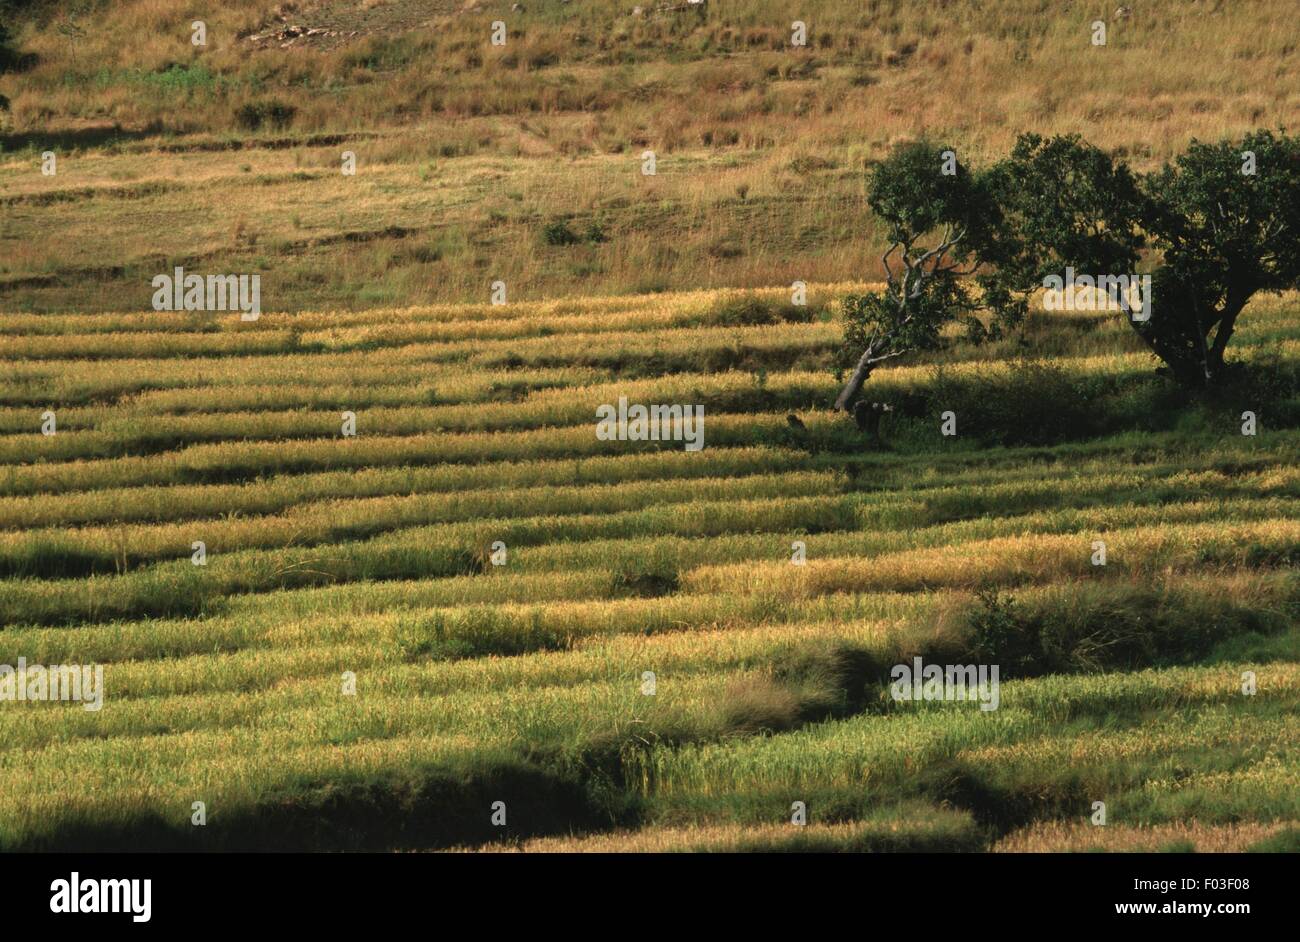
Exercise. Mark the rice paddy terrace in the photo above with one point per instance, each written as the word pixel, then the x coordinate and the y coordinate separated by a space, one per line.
pixel 372 580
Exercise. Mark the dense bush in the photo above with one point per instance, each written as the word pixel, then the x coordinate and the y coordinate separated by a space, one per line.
pixel 252 115
pixel 558 232
pixel 12 59
pixel 1031 403
pixel 1090 629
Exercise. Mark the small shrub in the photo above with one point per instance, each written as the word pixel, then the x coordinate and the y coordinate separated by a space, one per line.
pixel 425 254
pixel 750 311
pixel 833 680
pixel 558 233
pixel 478 632
pixel 1002 634
pixel 725 248
pixel 1087 630
pixel 251 116
pixel 809 163
pixel 647 584
pixel 11 58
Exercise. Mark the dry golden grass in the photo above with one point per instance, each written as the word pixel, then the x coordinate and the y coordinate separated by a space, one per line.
pixel 717 839
pixel 1060 836
pixel 1200 68
pixel 762 146
pixel 911 827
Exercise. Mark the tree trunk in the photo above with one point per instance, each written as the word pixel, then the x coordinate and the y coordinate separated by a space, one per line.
pixel 860 374
pixel 1189 355
pixel 868 417
pixel 1231 308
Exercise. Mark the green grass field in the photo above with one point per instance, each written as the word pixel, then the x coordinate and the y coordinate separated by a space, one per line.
pixel 523 682
pixel 475 599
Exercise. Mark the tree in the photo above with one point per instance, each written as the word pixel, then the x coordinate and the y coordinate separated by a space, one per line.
pixel 1226 219
pixel 1064 203
pixel 940 223
pixel 1049 204
pixel 1221 224
pixel 70 29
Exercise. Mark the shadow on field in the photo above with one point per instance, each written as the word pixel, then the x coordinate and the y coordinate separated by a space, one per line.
pixel 412 809
pixel 73 138
pixel 1002 808
pixel 607 780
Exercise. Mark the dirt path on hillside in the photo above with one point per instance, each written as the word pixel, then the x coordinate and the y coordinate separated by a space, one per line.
pixel 327 24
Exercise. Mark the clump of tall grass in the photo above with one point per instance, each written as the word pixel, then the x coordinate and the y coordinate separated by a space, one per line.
pixel 751 310
pixel 1118 627
pixel 475 632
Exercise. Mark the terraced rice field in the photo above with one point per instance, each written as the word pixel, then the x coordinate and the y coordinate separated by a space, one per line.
pixel 464 602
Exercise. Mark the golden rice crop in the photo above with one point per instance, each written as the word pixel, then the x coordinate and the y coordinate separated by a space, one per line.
pixel 367 557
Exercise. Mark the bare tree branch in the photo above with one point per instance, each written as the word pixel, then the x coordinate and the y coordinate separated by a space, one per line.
pixel 884 260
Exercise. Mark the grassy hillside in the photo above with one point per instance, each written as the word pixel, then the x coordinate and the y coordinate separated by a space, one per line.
pixel 522 682
pixel 353 663
pixel 467 152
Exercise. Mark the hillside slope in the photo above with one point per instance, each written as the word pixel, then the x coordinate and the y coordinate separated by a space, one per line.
pixel 468 152
pixel 459 604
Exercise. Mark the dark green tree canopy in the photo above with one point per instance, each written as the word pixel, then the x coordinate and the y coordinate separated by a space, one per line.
pixel 1219 225
pixel 1064 203
pixel 941 221
pixel 953 230
pixel 1225 219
